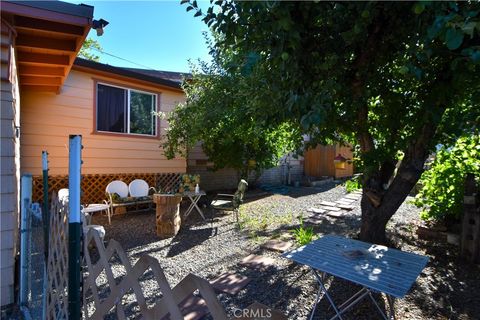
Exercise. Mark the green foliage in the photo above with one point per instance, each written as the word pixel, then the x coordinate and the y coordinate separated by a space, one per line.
pixel 88 46
pixel 303 235
pixel 397 78
pixel 442 185
pixel 316 65
pixel 217 112
pixel 353 184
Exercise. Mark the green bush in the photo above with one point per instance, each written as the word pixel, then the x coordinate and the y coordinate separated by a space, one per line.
pixel 442 188
pixel 353 184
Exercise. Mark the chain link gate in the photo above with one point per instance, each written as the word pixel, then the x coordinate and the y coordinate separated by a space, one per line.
pixel 33 275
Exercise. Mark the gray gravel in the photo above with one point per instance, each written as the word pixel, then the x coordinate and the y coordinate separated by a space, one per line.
pixel 209 249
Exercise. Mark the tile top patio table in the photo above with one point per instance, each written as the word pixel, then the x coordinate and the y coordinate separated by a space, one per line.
pixel 376 268
pixel 194 197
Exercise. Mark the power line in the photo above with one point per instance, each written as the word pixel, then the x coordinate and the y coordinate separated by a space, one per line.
pixel 112 55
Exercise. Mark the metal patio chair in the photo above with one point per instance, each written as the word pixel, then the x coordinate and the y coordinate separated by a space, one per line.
pixel 139 188
pixel 230 202
pixel 121 195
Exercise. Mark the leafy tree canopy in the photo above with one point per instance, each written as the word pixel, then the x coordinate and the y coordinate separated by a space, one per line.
pixel 394 78
pixel 217 113
pixel 86 51
pixel 395 62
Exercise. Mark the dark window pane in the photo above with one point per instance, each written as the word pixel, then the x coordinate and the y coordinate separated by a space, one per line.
pixel 111 106
pixel 141 108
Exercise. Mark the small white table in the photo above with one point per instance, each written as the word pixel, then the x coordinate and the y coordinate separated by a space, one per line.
pixel 92 208
pixel 194 197
pixel 87 213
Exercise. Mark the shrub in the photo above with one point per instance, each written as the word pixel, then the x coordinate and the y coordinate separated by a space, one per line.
pixel 441 194
pixel 303 235
pixel 353 184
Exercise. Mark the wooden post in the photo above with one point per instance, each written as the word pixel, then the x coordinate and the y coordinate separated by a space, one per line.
pixel 470 244
pixel 167 214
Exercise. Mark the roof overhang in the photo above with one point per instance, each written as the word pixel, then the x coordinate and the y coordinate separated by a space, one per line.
pixel 124 74
pixel 49 37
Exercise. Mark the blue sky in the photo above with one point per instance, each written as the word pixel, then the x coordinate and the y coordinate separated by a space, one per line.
pixel 155 34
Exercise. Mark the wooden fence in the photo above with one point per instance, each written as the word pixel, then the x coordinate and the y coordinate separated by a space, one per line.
pixel 93 185
pixel 57 263
pixel 318 162
pixel 113 287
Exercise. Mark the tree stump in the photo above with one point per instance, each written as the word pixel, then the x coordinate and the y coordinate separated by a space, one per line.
pixel 167 214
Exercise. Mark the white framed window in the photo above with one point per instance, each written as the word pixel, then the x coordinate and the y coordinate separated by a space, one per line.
pixel 125 110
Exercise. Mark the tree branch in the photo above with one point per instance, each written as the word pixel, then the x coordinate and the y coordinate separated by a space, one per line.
pixel 363 58
pixel 409 172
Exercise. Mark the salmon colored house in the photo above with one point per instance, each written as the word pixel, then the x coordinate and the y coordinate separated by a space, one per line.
pixel 111 108
pixel 48 94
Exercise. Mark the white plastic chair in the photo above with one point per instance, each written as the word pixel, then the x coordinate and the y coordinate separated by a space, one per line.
pixel 62 195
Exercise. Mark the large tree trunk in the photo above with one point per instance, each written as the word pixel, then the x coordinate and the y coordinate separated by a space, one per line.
pixel 383 190
pixel 379 207
pixel 382 196
pixel 373 222
pixel 377 211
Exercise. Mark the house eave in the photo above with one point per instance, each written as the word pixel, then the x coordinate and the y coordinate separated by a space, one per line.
pixel 49 35
pixel 126 75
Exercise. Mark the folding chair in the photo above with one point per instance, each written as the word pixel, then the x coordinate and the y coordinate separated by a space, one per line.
pixel 230 202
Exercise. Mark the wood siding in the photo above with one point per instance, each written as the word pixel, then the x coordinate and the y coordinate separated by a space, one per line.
pixel 10 166
pixel 319 162
pixel 48 119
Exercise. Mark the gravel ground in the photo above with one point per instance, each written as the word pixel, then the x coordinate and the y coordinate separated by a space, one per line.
pixel 448 288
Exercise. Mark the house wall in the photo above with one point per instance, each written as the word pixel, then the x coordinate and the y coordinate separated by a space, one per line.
pixel 222 179
pixel 228 178
pixel 48 119
pixel 9 175
pixel 278 175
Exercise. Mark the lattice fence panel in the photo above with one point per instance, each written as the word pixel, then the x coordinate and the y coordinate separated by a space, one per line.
pixel 57 265
pixel 93 185
pixel 113 287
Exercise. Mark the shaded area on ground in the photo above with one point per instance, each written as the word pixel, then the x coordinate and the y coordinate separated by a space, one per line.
pixel 447 288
